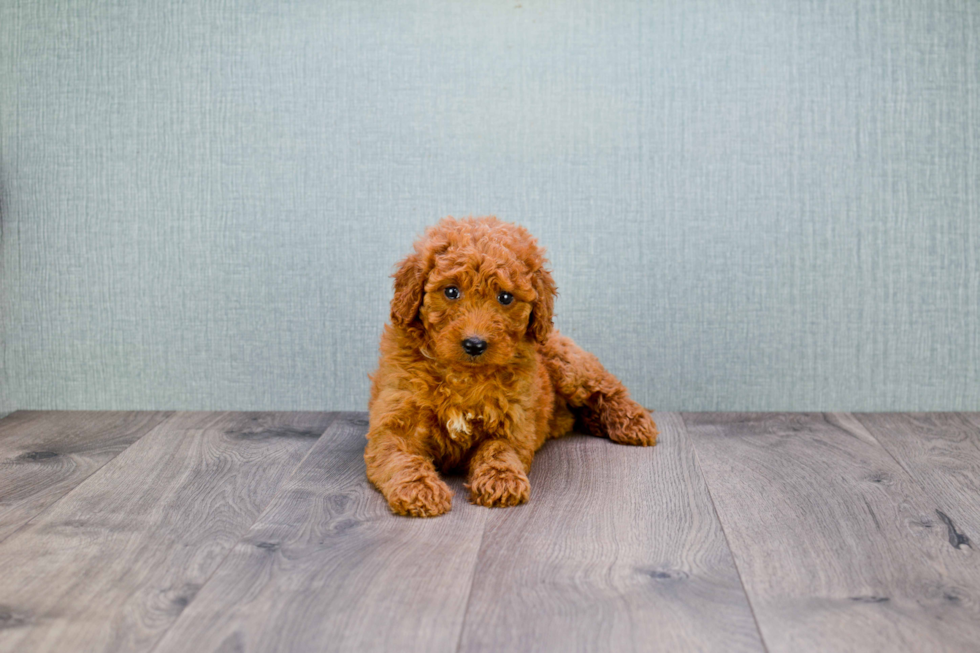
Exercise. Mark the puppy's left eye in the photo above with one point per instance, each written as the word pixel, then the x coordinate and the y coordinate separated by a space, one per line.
pixel 505 298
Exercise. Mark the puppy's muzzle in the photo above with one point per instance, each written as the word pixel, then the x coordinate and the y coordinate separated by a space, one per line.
pixel 474 346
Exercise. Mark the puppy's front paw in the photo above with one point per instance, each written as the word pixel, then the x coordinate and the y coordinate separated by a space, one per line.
pixel 499 488
pixel 634 427
pixel 423 497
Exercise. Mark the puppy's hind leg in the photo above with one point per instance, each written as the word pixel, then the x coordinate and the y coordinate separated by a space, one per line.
pixel 600 399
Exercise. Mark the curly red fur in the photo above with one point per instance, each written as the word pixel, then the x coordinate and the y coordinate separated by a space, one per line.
pixel 434 407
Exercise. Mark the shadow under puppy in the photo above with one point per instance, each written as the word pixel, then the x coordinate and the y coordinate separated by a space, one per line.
pixel 474 377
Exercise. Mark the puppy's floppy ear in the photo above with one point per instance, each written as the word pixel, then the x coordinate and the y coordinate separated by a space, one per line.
pixel 542 308
pixel 409 287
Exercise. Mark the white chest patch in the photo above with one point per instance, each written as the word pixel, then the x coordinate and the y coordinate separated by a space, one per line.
pixel 458 425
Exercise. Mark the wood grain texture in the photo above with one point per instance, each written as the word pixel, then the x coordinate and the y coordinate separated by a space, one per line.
pixel 43 455
pixel 112 565
pixel 941 451
pixel 328 567
pixel 619 549
pixel 838 547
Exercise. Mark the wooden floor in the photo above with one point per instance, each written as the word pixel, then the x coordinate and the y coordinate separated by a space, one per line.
pixel 177 532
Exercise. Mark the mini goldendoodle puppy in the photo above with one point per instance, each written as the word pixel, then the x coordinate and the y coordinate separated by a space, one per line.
pixel 473 376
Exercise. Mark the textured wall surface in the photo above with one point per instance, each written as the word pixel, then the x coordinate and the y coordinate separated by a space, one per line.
pixel 748 205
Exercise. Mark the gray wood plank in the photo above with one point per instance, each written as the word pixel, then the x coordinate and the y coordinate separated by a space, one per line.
pixel 112 565
pixel 18 417
pixel 329 568
pixel 619 549
pixel 941 451
pixel 45 454
pixel 838 548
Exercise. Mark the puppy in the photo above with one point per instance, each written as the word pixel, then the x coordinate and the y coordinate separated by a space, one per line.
pixel 474 378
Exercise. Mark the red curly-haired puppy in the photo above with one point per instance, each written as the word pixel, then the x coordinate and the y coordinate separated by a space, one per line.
pixel 474 377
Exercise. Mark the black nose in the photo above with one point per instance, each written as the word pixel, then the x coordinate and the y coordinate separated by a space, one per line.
pixel 474 346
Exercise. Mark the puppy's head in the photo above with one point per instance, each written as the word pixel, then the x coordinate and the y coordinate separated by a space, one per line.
pixel 474 290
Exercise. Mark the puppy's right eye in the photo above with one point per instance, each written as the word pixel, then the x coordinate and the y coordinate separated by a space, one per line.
pixel 452 292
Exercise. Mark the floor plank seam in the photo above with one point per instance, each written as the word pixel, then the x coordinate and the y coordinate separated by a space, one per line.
pixel 721 525
pixel 956 538
pixel 469 594
pixel 83 481
pixel 245 532
pixel 908 472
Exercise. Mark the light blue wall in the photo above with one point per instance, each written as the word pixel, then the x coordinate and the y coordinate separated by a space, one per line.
pixel 749 205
